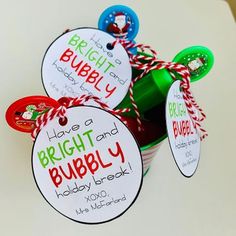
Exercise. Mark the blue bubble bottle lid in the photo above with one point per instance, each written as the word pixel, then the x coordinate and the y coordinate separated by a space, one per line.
pixel 119 21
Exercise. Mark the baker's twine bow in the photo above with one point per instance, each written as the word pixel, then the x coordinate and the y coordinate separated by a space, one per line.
pixel 148 63
pixel 67 102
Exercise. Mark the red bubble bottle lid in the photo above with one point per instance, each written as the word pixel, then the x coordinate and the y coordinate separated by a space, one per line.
pixel 22 114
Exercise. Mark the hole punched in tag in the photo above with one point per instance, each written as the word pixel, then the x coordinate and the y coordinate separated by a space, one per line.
pixel 63 101
pixel 110 46
pixel 63 121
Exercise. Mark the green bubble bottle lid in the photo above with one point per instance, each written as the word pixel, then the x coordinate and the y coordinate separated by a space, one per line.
pixel 198 59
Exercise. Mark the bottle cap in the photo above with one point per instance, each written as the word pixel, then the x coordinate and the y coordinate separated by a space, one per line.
pixel 119 21
pixel 22 114
pixel 198 59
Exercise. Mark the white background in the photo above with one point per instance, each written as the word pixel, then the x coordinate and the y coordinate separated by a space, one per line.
pixel 169 204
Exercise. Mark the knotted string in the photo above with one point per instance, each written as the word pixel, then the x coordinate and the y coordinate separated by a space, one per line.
pixel 148 63
pixel 67 102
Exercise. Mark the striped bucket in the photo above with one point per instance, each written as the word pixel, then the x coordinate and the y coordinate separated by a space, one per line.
pixel 149 151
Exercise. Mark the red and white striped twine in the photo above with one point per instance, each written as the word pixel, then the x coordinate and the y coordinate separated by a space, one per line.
pixel 148 63
pixel 70 102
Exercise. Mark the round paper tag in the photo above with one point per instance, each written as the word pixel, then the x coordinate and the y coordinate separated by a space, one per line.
pixel 22 114
pixel 183 137
pixel 79 62
pixel 85 169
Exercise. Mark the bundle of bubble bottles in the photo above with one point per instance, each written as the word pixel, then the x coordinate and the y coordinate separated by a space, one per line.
pixel 110 104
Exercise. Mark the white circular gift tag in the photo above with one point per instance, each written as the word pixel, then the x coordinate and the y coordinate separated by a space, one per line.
pixel 79 62
pixel 89 170
pixel 183 137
